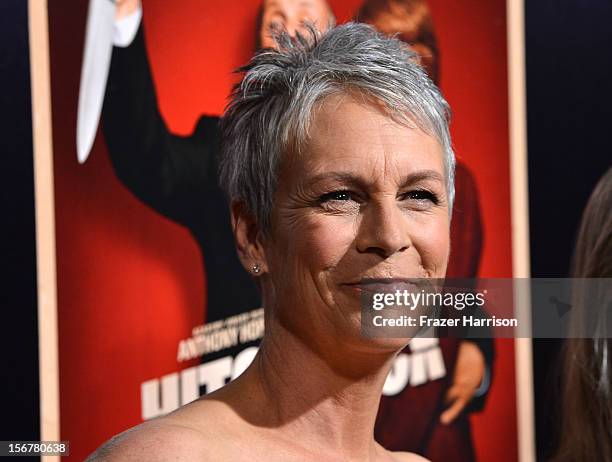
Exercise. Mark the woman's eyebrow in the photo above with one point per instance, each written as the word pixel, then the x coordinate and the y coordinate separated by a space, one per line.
pixel 338 177
pixel 422 175
pixel 350 178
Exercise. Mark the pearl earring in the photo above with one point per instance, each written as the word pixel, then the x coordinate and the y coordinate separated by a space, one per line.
pixel 256 269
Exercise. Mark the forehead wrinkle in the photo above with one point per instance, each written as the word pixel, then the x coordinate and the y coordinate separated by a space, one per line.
pixel 382 151
pixel 340 177
pixel 386 161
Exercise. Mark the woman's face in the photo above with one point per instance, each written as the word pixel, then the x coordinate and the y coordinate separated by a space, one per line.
pixel 366 199
pixel 291 15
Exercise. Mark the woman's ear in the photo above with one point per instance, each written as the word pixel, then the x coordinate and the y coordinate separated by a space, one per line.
pixel 248 238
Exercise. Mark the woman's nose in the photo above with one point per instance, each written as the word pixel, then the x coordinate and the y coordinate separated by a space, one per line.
pixel 383 229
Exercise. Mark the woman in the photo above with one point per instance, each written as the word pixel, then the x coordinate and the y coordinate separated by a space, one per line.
pixel 587 385
pixel 338 163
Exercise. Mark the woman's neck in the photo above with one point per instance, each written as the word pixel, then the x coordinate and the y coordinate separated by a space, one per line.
pixel 324 399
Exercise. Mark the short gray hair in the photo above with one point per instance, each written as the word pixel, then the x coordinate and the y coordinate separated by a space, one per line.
pixel 271 108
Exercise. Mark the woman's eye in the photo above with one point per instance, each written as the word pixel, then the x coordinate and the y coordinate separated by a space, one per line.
pixel 422 195
pixel 336 196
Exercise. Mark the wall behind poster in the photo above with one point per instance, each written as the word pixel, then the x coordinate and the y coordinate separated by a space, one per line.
pixel 130 281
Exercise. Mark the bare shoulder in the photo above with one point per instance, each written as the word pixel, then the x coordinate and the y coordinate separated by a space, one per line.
pixel 195 431
pixel 153 441
pixel 408 457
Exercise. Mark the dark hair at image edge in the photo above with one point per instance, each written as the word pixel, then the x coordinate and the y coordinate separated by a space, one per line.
pixel 586 424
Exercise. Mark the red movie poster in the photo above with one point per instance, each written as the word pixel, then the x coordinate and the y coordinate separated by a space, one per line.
pixel 137 278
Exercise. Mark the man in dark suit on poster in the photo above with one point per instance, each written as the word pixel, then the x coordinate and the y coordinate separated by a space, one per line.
pixel 177 176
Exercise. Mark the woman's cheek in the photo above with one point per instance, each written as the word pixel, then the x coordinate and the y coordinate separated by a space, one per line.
pixel 323 241
pixel 306 243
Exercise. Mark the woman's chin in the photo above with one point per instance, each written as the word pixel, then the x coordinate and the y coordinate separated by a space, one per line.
pixel 388 344
pixel 378 343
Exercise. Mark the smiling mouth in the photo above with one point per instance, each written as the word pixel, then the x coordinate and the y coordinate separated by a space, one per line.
pixel 388 285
